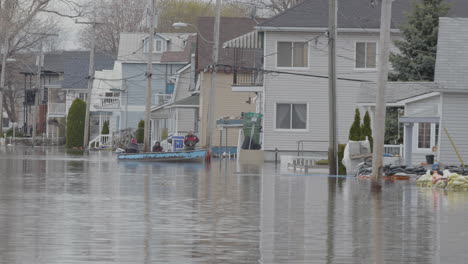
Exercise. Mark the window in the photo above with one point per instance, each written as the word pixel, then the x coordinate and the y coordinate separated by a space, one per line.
pixel 292 54
pixel 83 96
pixel 366 55
pixel 158 45
pixel 291 116
pixel 112 94
pixel 424 136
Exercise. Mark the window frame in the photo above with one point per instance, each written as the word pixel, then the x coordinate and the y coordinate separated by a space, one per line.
pixel 155 45
pixel 292 55
pixel 433 142
pixel 291 129
pixel 365 58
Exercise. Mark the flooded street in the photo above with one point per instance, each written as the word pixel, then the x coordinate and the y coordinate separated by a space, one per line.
pixel 58 207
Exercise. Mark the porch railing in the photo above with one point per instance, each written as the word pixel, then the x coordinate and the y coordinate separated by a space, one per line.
pixel 108 102
pixel 247 78
pixel 394 150
pixel 101 141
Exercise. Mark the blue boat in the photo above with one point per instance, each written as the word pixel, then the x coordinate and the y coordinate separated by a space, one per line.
pixel 182 156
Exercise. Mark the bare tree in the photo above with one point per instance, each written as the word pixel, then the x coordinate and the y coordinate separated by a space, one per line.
pixel 129 16
pixel 268 7
pixel 19 18
pixel 117 16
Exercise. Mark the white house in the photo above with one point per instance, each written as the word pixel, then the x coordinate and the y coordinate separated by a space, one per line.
pixel 435 112
pixel 295 82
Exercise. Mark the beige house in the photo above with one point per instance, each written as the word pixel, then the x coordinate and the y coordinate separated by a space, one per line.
pixel 229 104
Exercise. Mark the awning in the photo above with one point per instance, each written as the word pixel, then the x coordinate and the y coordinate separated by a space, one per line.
pixel 251 40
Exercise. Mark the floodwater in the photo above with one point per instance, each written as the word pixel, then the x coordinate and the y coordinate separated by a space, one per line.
pixel 58 207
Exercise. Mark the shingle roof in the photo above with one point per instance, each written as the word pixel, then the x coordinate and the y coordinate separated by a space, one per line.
pixel 231 27
pixel 180 56
pixel 351 14
pixel 76 67
pixel 396 91
pixel 192 100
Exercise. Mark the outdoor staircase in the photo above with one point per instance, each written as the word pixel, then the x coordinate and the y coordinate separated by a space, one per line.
pixel 101 142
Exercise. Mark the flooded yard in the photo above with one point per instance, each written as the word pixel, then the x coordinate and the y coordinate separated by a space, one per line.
pixel 59 207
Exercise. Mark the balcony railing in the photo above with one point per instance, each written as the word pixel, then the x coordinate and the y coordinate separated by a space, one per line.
pixel 160 99
pixel 108 103
pixel 247 78
pixel 57 109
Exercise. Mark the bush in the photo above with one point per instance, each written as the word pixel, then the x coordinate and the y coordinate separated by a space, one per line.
pixel 322 162
pixel 355 130
pixel 9 132
pixel 105 128
pixel 366 130
pixel 76 123
pixel 140 133
pixel 341 167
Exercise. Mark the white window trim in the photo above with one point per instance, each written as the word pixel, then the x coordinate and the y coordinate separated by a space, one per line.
pixel 376 56
pixel 292 68
pixel 146 47
pixel 290 130
pixel 416 148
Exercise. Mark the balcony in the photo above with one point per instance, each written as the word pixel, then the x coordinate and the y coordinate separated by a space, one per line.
pixel 247 81
pixel 108 103
pixel 161 99
pixel 57 109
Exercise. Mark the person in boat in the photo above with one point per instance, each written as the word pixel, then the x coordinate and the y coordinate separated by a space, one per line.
pixel 157 147
pixel 190 141
pixel 132 146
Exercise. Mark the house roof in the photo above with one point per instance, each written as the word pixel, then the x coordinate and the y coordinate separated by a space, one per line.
pixel 189 101
pixel 352 14
pixel 180 56
pixel 76 67
pixel 131 45
pixel 396 91
pixel 232 27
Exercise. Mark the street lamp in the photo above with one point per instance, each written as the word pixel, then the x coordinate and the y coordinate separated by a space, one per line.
pixel 179 25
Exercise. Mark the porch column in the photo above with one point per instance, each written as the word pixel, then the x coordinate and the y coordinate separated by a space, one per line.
pixel 408 143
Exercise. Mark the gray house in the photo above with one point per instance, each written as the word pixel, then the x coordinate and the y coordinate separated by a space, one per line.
pixel 295 44
pixel 133 51
pixel 434 112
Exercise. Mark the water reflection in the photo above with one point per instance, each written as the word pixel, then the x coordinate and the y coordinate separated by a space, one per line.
pixel 57 207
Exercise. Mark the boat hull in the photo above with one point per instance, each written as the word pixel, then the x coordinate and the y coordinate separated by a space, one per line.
pixel 182 156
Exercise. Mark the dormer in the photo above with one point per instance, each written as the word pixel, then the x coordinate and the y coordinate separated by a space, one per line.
pixel 160 44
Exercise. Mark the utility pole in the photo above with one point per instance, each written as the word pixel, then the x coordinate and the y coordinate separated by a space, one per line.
pixel 2 79
pixel 332 34
pixel 212 91
pixel 90 79
pixel 149 76
pixel 38 93
pixel 380 107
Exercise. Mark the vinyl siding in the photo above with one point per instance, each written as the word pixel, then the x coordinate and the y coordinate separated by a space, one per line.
pixel 183 85
pixel 137 86
pixel 185 119
pixel 455 120
pixel 429 105
pixel 451 66
pixel 314 91
pixel 228 104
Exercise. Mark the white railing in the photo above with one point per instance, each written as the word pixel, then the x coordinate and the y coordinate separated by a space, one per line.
pixel 395 150
pixel 108 102
pixel 161 99
pixel 101 141
pixel 57 108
